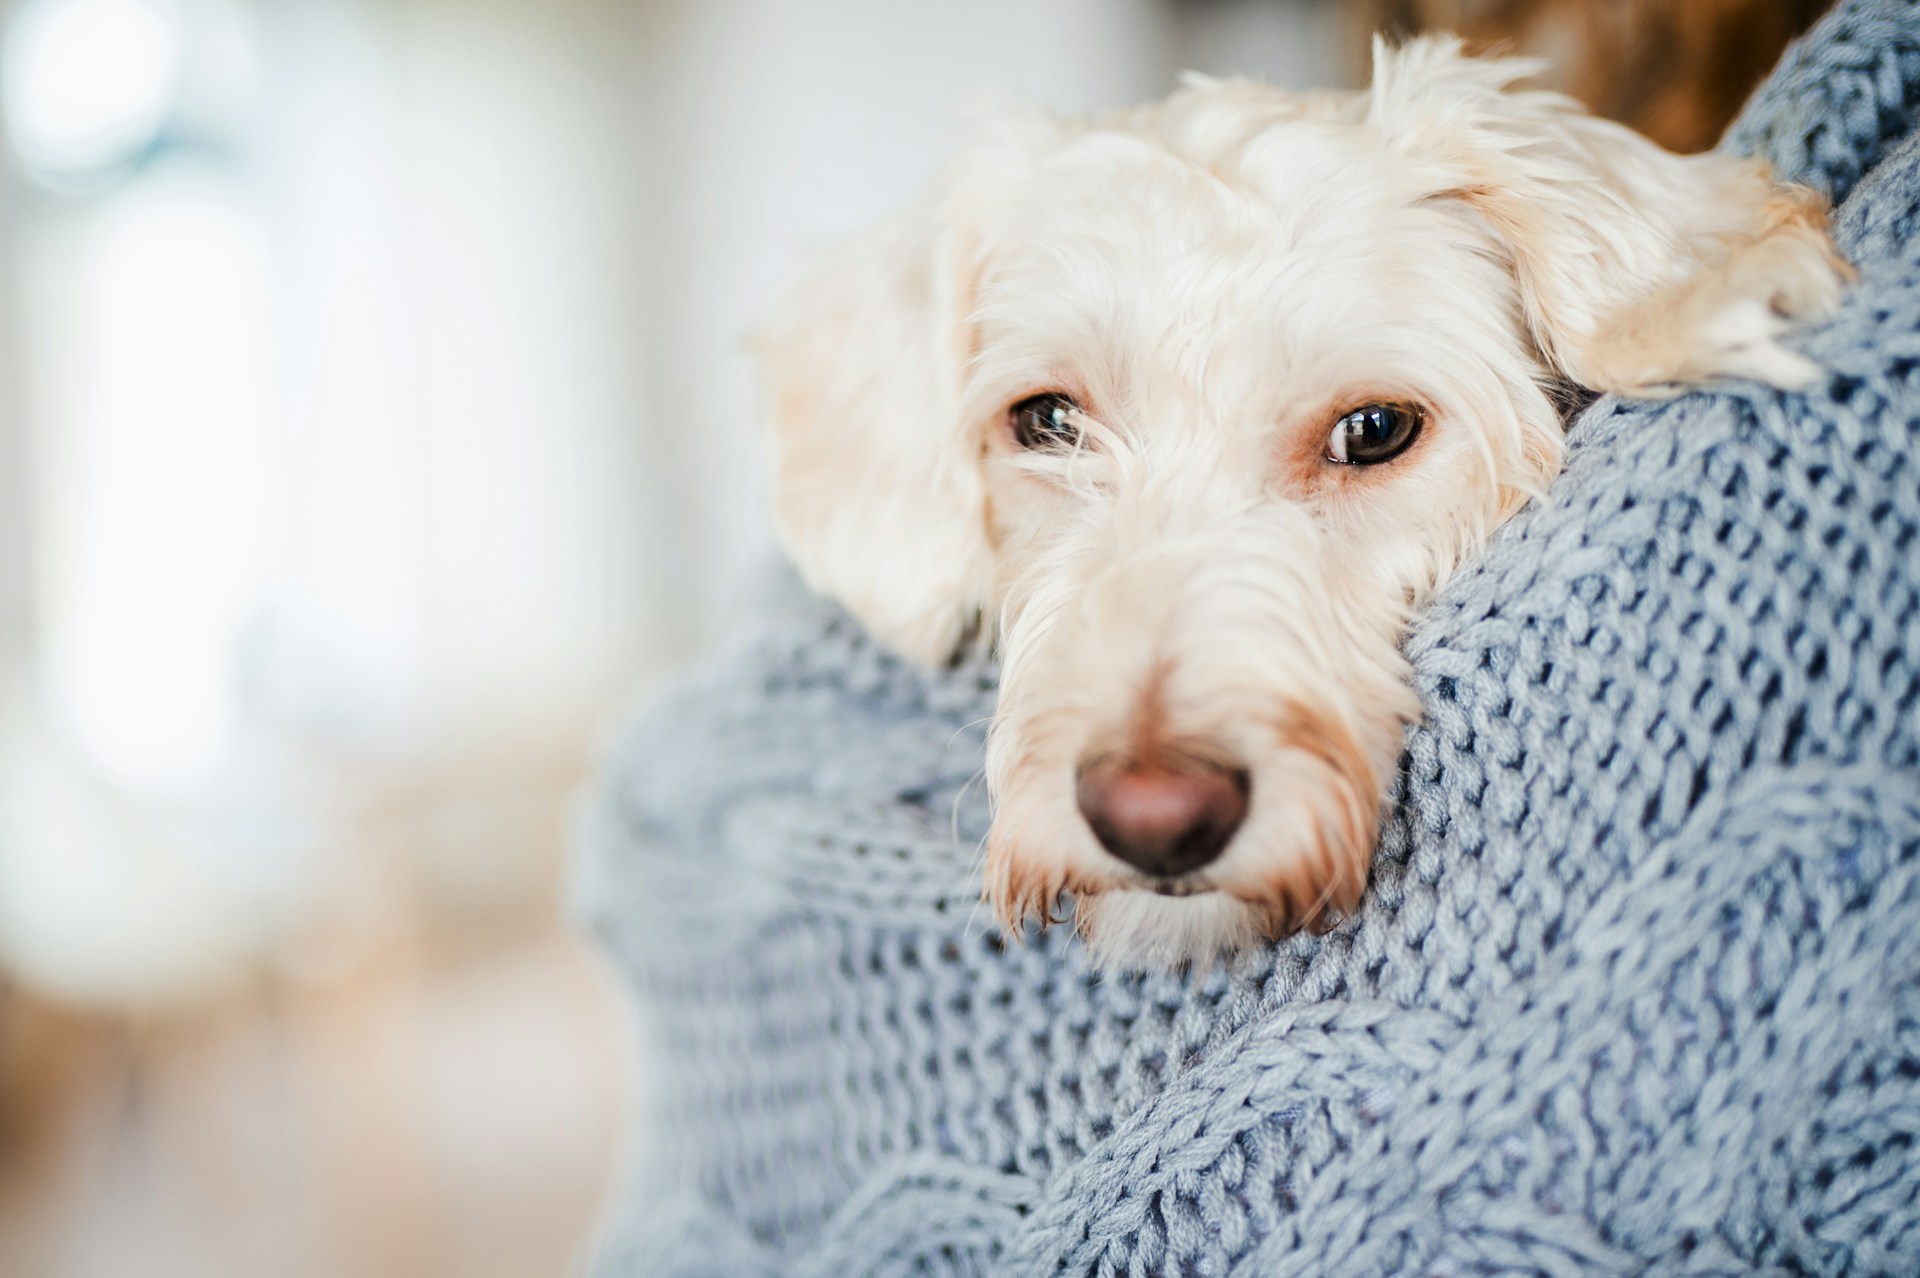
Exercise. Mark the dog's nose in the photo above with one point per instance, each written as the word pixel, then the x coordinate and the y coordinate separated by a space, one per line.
pixel 1163 816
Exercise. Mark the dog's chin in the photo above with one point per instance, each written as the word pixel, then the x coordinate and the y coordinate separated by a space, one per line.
pixel 1131 928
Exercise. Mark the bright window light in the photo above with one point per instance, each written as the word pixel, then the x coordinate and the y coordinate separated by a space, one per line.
pixel 159 477
pixel 88 83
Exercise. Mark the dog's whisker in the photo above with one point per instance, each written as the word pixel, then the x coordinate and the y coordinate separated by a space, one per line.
pixel 978 777
pixel 965 728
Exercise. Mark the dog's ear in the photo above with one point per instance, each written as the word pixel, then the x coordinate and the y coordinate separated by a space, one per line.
pixel 876 483
pixel 1638 270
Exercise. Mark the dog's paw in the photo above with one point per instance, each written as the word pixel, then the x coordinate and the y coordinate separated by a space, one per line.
pixel 1730 320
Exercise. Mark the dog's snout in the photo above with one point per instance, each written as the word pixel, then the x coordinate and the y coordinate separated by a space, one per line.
pixel 1164 816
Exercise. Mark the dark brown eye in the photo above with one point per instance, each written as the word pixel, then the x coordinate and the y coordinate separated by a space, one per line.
pixel 1374 433
pixel 1045 421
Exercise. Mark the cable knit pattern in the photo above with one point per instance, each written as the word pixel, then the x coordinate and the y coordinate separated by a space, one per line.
pixel 1635 989
pixel 1840 99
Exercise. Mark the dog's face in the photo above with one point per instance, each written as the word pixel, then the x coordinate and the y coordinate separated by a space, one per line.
pixel 1198 402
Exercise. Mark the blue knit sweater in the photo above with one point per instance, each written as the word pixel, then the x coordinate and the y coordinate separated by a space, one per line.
pixel 1636 986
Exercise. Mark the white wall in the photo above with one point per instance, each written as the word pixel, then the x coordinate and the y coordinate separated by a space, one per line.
pixel 13 460
pixel 1295 43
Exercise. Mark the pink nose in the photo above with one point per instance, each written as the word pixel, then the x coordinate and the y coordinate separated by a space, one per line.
pixel 1165 816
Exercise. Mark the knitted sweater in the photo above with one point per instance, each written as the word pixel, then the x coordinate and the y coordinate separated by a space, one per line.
pixel 1636 984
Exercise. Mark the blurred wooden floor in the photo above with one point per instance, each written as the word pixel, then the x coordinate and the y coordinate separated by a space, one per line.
pixel 438 1094
pixel 453 1120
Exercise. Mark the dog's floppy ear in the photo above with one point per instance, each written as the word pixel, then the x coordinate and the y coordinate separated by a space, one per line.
pixel 877 489
pixel 1638 270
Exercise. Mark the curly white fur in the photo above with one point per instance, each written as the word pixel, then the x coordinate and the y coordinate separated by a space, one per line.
pixel 1215 279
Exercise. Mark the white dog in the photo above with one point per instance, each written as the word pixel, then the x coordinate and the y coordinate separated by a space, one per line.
pixel 1197 402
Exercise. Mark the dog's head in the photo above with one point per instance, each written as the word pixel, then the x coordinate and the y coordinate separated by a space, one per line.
pixel 1196 402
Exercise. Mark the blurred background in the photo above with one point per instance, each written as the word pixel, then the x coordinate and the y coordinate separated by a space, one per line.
pixel 373 431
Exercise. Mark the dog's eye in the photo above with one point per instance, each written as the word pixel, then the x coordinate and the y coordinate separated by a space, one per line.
pixel 1045 421
pixel 1373 433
